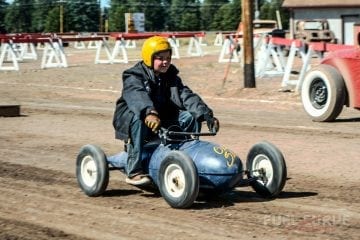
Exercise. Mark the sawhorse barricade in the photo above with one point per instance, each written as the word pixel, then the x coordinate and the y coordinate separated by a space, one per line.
pixel 319 48
pixel 54 55
pixel 230 48
pixel 296 47
pixel 13 51
pixel 305 51
pixel 194 48
pixel 28 51
pixel 219 38
pixel 7 52
pixel 16 49
pixel 122 40
pixel 271 61
pixel 93 44
pixel 53 51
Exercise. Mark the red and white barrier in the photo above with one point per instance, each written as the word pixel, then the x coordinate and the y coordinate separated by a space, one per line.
pixel 271 60
pixel 17 47
pixel 122 43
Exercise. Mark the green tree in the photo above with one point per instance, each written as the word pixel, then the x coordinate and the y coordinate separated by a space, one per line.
pixel 44 11
pixel 3 6
pixel 208 10
pixel 154 11
pixel 117 11
pixel 82 16
pixel 268 11
pixel 52 21
pixel 228 17
pixel 184 15
pixel 18 17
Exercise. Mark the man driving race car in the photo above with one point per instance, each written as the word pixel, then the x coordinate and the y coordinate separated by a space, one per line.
pixel 153 95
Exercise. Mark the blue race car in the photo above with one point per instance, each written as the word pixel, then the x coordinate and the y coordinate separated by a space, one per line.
pixel 181 165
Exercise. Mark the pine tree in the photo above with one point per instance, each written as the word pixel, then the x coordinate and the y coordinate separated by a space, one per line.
pixel 40 16
pixel 18 17
pixel 82 16
pixel 3 6
pixel 208 10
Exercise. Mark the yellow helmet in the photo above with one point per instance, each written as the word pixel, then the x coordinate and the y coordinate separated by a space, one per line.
pixel 153 45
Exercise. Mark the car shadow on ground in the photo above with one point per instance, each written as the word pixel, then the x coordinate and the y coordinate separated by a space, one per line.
pixel 146 191
pixel 207 201
pixel 240 196
pixel 120 192
pixel 347 120
pixel 210 200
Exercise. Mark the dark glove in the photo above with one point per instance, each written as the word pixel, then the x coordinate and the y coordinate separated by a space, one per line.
pixel 212 123
pixel 152 121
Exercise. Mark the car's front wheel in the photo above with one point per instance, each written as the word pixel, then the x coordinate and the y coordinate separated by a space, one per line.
pixel 178 180
pixel 266 164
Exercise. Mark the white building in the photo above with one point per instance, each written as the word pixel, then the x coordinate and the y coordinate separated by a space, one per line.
pixel 343 16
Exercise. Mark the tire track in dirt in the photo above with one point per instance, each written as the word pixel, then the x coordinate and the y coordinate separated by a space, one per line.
pixel 107 112
pixel 68 212
pixel 62 203
pixel 13 229
pixel 67 109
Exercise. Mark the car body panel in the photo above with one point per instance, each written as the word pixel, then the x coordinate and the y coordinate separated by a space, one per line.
pixel 218 167
pixel 347 62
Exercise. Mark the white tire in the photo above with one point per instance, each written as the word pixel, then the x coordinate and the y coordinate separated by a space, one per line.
pixel 323 93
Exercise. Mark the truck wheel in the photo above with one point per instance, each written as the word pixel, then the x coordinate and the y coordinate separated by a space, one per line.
pixel 266 163
pixel 178 180
pixel 323 93
pixel 92 170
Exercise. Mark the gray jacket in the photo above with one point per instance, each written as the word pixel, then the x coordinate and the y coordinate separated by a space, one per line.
pixel 141 94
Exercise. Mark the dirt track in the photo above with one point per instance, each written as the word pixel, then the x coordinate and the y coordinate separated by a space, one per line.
pixel 63 109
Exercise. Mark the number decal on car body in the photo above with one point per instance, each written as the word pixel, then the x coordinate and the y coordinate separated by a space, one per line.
pixel 228 154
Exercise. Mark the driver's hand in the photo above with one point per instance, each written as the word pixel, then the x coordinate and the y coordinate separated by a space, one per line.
pixel 152 121
pixel 212 123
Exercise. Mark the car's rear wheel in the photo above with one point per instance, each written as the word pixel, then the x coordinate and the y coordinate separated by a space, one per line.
pixel 323 93
pixel 92 170
pixel 178 180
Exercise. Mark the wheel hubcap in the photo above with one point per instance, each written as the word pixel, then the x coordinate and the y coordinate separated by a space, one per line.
pixel 318 94
pixel 88 171
pixel 174 180
pixel 263 169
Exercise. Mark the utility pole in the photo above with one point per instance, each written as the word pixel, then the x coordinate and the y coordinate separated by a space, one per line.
pixel 61 15
pixel 100 18
pixel 247 19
